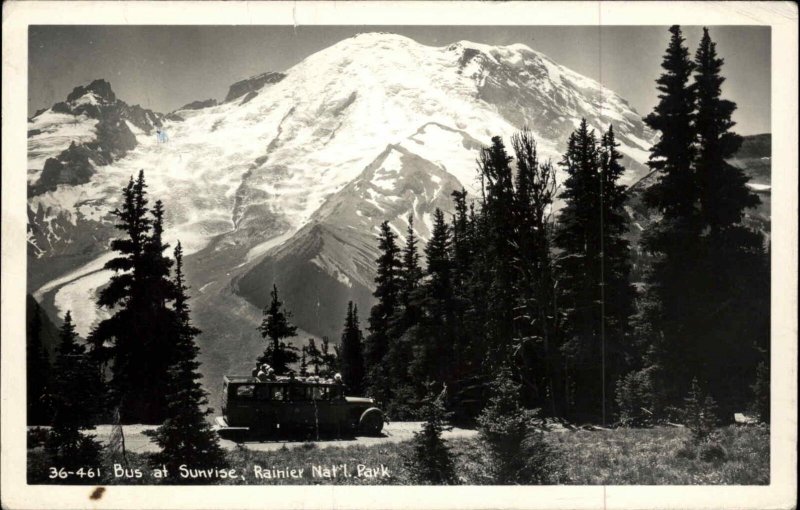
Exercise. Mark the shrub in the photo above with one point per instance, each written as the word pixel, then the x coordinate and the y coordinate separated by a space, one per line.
pixel 37 436
pixel 712 451
pixel 634 397
pixel 687 451
pixel 516 452
pixel 699 412
pixel 430 459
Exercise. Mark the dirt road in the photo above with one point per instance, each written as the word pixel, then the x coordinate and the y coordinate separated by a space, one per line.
pixel 136 441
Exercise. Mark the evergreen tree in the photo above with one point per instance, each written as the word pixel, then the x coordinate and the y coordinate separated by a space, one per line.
pixel 430 460
pixel 462 240
pixel 410 273
pixel 314 355
pixel 113 340
pixel 674 193
pixel 303 362
pixel 328 359
pixel 133 339
pixel 699 412
pixel 435 338
pixel 500 248
pixel 156 318
pixel 673 306
pixel 579 237
pixel 37 370
pixel 708 290
pixel 185 437
pixel 276 326
pixel 723 194
pixel 406 315
pixel 352 358
pixel 736 266
pixel 515 450
pixel 538 345
pixel 387 288
pixel 75 404
pixel 466 272
pixel 617 295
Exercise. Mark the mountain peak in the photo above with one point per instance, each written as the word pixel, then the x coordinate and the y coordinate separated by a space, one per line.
pixel 252 85
pixel 101 88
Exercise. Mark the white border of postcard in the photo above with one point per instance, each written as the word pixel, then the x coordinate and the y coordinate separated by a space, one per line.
pixel 781 16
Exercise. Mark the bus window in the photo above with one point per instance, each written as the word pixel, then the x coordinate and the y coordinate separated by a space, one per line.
pixel 245 391
pixel 262 392
pixel 278 392
pixel 322 393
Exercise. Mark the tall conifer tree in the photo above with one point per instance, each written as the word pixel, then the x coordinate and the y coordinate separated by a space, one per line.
pixel 138 294
pixel 500 249
pixel 435 350
pixel 735 327
pixel 579 236
pixel 539 344
pixel 185 437
pixel 387 289
pixel 352 356
pixel 672 310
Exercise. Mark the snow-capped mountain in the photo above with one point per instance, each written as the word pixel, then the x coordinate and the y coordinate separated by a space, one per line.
pixel 288 178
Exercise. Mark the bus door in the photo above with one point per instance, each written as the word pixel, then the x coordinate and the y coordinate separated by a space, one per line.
pixel 240 405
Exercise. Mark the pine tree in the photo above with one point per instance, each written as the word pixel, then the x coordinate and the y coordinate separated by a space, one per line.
pixel 276 326
pixel 673 309
pixel 723 193
pixel 156 318
pixel 410 273
pixel 617 296
pixel 674 193
pixel 500 249
pixel 699 412
pixel 430 460
pixel 736 267
pixel 406 316
pixel 185 437
pixel 328 358
pixel 469 318
pixel 352 358
pixel 75 404
pixel 435 339
pixel 387 288
pixel 515 450
pixel 303 362
pixel 314 355
pixel 113 340
pixel 538 345
pixel 579 237
pixel 38 370
pixel 139 292
pixel 708 287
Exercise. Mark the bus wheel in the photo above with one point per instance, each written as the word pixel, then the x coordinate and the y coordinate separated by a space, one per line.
pixel 371 422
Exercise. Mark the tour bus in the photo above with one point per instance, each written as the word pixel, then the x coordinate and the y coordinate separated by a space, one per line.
pixel 289 405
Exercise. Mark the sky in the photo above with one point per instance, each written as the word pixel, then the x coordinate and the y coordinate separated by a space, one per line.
pixel 165 67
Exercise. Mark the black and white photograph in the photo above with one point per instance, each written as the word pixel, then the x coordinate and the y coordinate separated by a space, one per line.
pixel 399 254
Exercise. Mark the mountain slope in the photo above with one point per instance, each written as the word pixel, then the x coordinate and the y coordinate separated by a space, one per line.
pixel 289 177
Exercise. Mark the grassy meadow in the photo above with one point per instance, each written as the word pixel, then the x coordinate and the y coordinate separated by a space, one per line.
pixel 656 456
